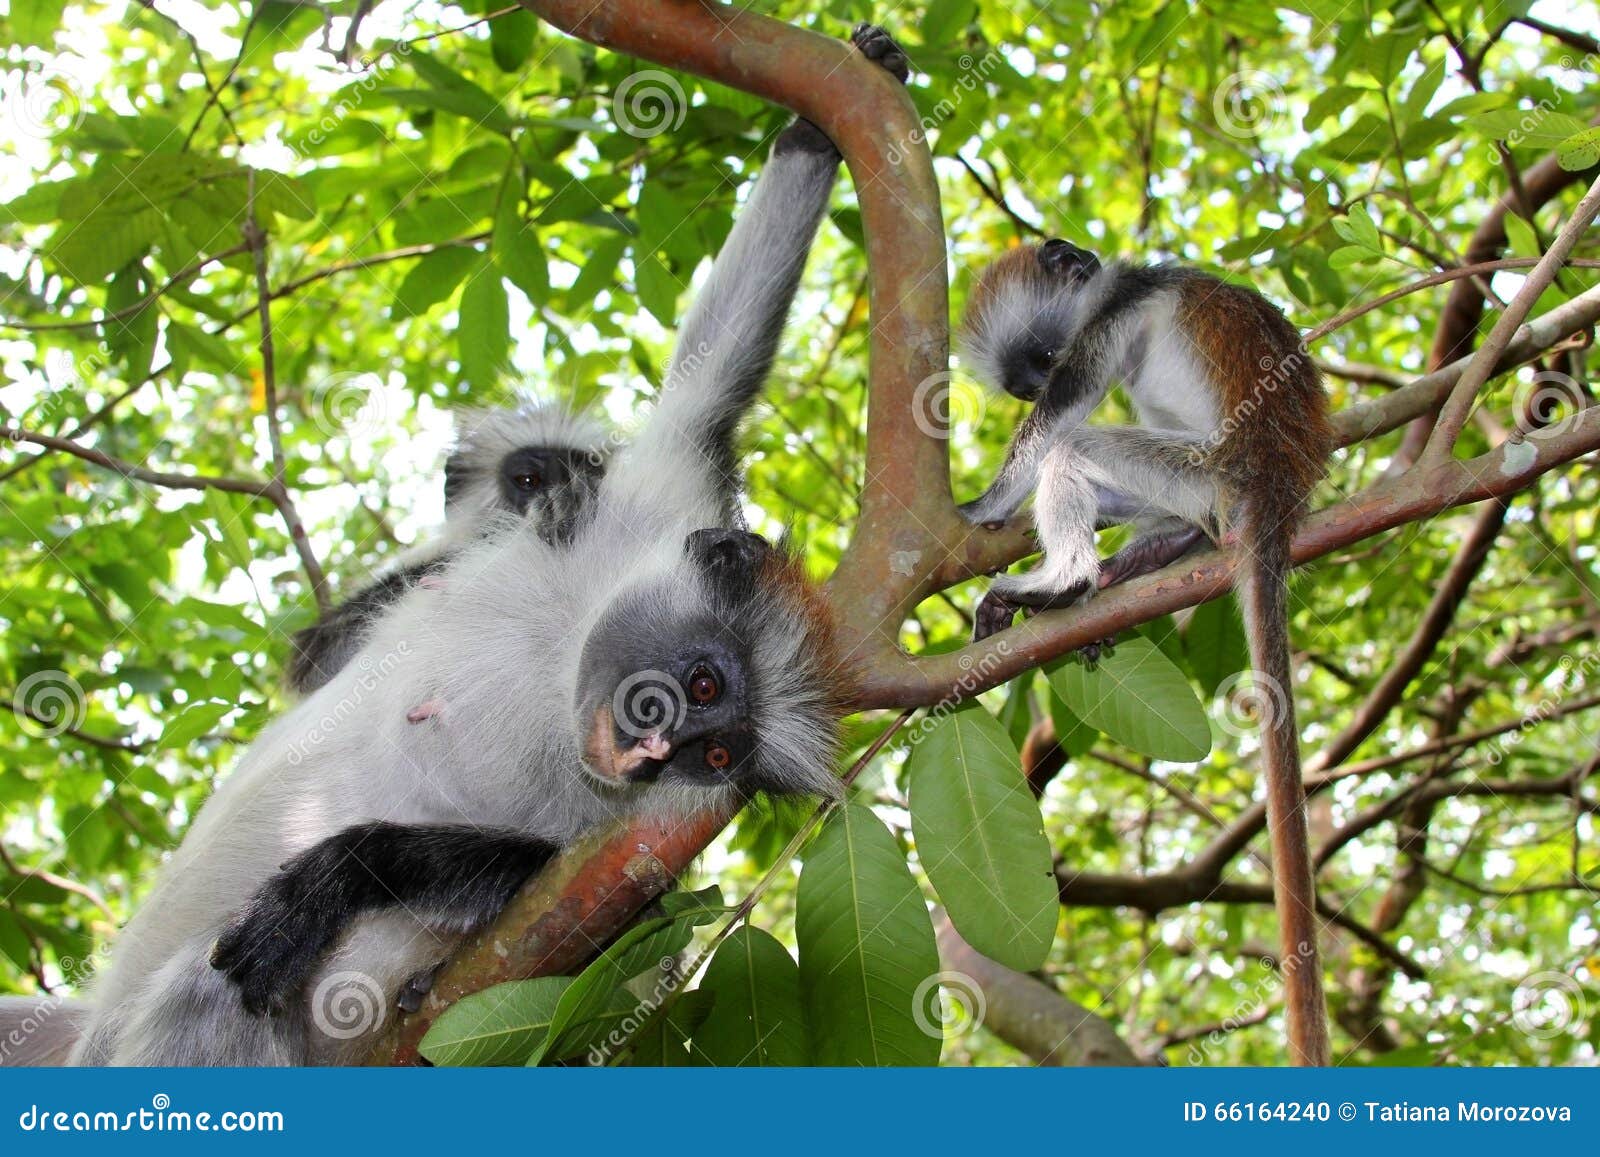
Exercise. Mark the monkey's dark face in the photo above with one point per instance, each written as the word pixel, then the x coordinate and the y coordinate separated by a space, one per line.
pixel 1025 371
pixel 665 682
pixel 529 471
pixel 1064 270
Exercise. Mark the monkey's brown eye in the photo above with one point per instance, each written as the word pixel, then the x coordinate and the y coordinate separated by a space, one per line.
pixel 526 481
pixel 703 686
pixel 718 757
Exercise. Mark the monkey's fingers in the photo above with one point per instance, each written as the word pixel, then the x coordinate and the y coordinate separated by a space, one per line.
pixel 994 614
pixel 876 44
pixel 1092 653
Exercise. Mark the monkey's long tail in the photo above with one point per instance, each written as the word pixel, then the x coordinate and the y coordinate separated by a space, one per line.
pixel 1263 587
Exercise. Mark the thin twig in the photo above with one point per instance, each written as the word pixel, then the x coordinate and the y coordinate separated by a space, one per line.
pixel 143 303
pixel 47 877
pixel 1453 416
pixel 252 487
pixel 256 239
pixel 1440 278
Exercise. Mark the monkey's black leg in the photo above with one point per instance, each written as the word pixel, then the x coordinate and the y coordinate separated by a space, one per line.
pixel 271 946
pixel 1146 555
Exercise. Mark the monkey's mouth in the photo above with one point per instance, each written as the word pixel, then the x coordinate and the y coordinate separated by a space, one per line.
pixel 626 760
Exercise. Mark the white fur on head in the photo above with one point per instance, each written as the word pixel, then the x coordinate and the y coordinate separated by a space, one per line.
pixel 1017 306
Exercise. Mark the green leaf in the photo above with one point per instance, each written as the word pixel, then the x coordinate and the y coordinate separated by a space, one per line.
pixel 1349 255
pixel 511 39
pixel 1138 698
pixel 227 517
pixel 483 335
pixel 452 92
pixel 1579 151
pixel 433 279
pixel 1524 242
pixel 1214 644
pixel 944 19
pixel 1357 228
pixel 757 1017
pixel 598 272
pixel 132 337
pixel 517 251
pixel 664 1041
pixel 502 1025
pixel 980 838
pixel 195 720
pixel 867 951
pixel 643 946
pixel 658 289
pixel 34 22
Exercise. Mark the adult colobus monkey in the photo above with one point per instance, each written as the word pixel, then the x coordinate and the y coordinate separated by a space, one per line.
pixel 1233 436
pixel 650 664
pixel 533 460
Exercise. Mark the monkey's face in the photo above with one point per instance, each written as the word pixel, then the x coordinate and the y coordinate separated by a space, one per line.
pixel 529 471
pixel 670 680
pixel 1046 300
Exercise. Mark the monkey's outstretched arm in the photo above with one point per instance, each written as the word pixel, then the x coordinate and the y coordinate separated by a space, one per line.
pixel 1078 383
pixel 447 872
pixel 730 336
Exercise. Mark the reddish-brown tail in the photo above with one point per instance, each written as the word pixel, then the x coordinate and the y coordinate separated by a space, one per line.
pixel 1263 586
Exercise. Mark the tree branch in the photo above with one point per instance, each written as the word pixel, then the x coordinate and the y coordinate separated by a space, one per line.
pixel 1453 415
pixel 1027 1013
pixel 256 239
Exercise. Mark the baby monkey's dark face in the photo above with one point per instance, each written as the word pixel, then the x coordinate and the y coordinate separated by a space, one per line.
pixel 530 472
pixel 1061 270
pixel 665 680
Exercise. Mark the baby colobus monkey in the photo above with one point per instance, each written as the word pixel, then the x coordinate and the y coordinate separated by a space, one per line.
pixel 539 461
pixel 661 661
pixel 1233 436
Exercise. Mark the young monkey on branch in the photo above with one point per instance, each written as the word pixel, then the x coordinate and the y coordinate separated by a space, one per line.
pixel 1233 436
